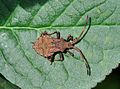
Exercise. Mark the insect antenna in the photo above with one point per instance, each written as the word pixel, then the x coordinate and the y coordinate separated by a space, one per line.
pixel 79 38
pixel 84 60
pixel 86 30
pixel 32 42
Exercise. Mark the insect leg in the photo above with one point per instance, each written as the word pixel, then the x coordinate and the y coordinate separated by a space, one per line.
pixel 44 33
pixel 51 59
pixel 70 53
pixel 84 59
pixel 58 35
pixel 56 32
pixel 61 57
pixel 69 38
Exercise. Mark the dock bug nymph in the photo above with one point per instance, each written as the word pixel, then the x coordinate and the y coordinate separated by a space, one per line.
pixel 48 46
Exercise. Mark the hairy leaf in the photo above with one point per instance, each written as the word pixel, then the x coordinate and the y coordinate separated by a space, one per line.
pixel 22 22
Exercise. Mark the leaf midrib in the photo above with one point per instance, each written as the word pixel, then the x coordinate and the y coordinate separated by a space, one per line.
pixel 36 28
pixel 59 14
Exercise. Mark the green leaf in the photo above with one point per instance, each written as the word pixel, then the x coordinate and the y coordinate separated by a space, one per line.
pixel 22 22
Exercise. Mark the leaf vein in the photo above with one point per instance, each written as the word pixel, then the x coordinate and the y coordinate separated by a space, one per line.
pixel 11 66
pixel 16 37
pixel 109 15
pixel 90 10
pixel 61 13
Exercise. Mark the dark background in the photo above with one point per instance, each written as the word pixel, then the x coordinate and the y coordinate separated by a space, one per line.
pixel 112 81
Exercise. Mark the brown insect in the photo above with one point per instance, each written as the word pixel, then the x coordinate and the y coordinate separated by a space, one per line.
pixel 48 46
